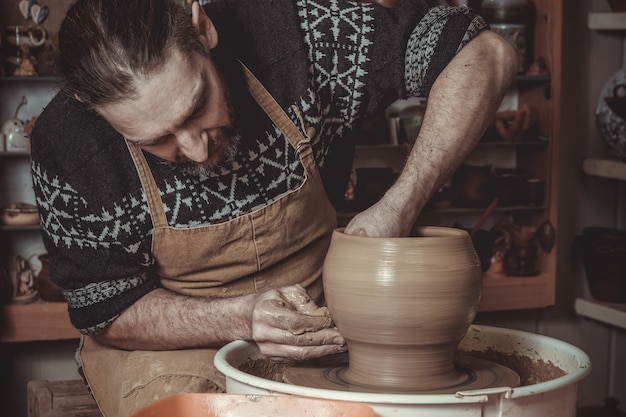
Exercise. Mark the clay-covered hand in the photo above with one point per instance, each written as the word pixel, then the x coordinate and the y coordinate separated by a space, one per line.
pixel 379 220
pixel 288 325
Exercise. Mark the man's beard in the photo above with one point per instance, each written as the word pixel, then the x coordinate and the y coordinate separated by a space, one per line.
pixel 222 149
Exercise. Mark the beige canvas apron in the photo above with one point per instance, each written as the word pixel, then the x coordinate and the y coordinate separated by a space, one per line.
pixel 281 244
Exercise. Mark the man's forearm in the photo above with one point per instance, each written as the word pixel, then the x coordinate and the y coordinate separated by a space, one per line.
pixel 163 320
pixel 461 105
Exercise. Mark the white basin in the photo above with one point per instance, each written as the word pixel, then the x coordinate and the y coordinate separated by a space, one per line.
pixel 551 398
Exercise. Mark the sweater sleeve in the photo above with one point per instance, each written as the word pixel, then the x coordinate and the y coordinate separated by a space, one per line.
pixel 90 213
pixel 434 42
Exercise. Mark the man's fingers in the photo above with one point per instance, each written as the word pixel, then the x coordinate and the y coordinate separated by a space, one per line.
pixel 286 353
pixel 292 309
pixel 294 322
pixel 299 299
pixel 287 324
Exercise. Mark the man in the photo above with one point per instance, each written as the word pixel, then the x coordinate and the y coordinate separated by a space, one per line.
pixel 183 173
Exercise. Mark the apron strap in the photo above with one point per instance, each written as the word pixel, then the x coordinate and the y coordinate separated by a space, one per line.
pixel 274 111
pixel 157 212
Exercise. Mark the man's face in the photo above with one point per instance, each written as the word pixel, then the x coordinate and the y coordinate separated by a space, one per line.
pixel 181 114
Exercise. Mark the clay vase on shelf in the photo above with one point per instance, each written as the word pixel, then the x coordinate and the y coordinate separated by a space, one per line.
pixel 603 254
pixel 521 260
pixel 402 304
pixel 473 186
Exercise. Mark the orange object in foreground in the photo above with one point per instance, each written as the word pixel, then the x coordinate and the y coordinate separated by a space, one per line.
pixel 252 405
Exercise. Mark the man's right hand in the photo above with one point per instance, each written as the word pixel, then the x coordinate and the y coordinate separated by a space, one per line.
pixel 288 325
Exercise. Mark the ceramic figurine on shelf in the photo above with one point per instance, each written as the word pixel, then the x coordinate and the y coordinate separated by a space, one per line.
pixel 23 281
pixel 496 266
pixel 30 9
pixel 518 244
pixel 25 66
pixel 13 130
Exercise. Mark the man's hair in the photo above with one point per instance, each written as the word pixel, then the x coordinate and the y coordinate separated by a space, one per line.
pixel 106 44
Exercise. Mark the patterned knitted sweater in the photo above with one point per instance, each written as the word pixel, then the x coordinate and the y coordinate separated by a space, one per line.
pixel 338 61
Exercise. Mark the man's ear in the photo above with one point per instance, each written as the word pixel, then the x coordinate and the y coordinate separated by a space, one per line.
pixel 204 26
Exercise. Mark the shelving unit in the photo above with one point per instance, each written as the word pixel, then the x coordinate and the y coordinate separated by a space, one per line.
pixel 607 21
pixel 613 314
pixel 608 313
pixel 538 159
pixel 514 293
pixel 605 168
pixel 38 321
pixel 37 339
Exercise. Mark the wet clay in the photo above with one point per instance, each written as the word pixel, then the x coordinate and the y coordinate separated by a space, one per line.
pixel 403 305
pixel 530 371
pixel 471 374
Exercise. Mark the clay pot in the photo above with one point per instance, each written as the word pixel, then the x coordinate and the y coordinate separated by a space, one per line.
pixel 603 254
pixel 403 305
pixel 473 185
pixel 521 260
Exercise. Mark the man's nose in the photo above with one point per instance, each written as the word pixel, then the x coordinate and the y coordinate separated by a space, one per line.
pixel 194 145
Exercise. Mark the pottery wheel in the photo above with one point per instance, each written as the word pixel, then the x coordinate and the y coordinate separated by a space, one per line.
pixel 328 373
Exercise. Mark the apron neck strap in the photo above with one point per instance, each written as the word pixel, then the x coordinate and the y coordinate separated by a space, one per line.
pixel 275 112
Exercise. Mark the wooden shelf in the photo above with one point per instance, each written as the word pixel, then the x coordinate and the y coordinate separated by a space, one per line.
pixel 606 168
pixel 533 79
pixel 28 79
pixel 7 228
pixel 515 293
pixel 38 321
pixel 609 313
pixel 607 21
pixel 14 154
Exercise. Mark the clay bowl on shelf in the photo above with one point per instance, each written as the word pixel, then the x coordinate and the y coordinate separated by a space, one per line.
pixel 19 214
pixel 402 304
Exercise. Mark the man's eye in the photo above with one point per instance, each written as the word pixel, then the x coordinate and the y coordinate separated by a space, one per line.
pixel 198 110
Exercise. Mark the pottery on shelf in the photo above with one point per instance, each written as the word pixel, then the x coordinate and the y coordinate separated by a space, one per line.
pixel 403 304
pixel 19 214
pixel 602 251
pixel 611 114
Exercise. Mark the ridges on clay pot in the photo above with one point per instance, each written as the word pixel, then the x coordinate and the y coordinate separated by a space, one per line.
pixel 403 305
